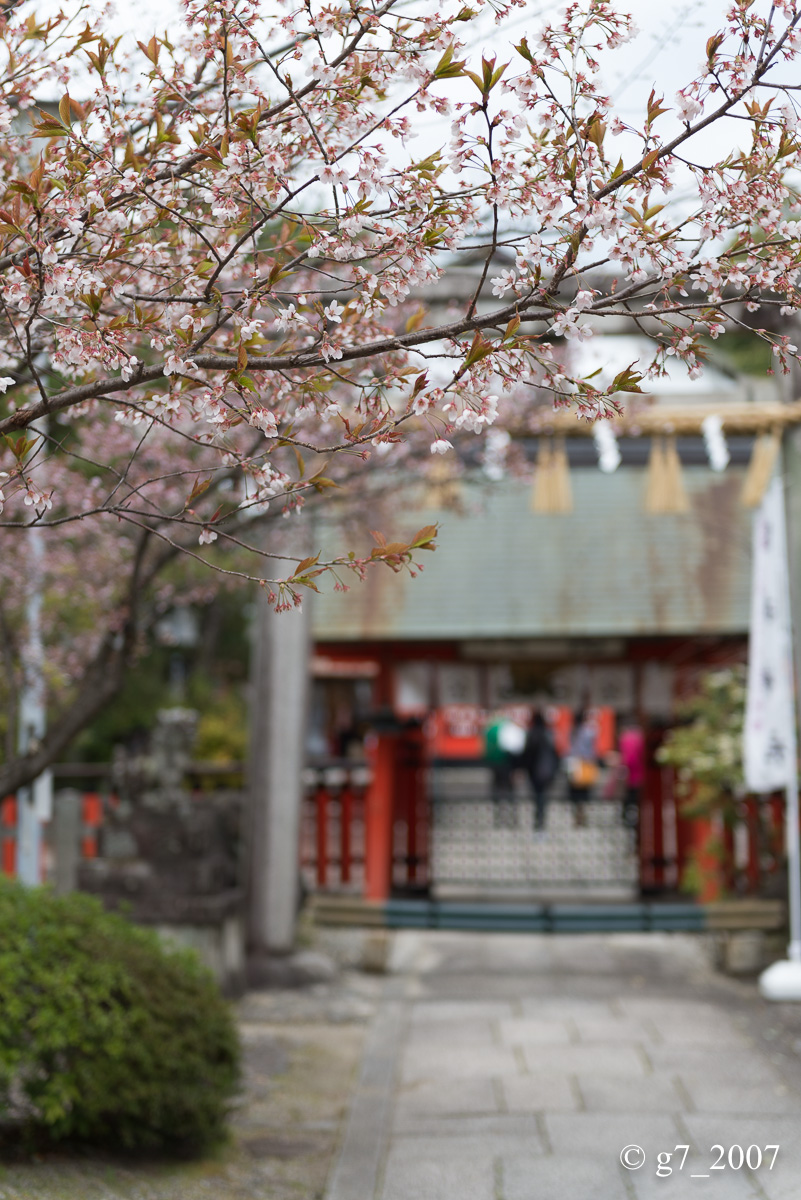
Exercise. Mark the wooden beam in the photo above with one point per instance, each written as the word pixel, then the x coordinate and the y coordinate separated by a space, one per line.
pixel 646 420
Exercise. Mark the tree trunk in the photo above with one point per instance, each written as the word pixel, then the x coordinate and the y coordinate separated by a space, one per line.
pixel 100 684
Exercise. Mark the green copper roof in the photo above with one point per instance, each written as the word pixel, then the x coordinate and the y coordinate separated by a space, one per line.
pixel 607 568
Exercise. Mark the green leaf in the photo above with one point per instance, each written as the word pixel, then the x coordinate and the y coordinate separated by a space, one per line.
pixel 655 107
pixel 429 167
pixel 627 380
pixel 446 68
pixel 306 581
pixel 151 50
pixel 303 566
pixel 712 46
pixel 523 50
pixel 511 329
pixel 478 349
pixel 21 447
pixel 199 487
pixel 424 538
pixel 497 74
pixel 596 131
pixel 49 130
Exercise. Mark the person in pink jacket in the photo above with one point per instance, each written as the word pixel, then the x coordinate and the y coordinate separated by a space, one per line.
pixel 632 754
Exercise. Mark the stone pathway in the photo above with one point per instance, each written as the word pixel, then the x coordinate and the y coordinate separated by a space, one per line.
pixel 514 1067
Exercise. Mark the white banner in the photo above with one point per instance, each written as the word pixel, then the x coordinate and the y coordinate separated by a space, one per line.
pixel 769 735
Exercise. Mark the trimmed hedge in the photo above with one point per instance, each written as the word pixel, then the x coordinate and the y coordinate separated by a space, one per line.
pixel 106 1036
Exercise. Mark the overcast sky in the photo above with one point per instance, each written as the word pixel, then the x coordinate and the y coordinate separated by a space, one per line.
pixel 666 52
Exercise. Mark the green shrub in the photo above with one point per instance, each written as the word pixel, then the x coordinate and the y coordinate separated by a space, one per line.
pixel 706 748
pixel 107 1037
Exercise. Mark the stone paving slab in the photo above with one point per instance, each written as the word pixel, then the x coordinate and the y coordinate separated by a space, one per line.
pixel 613 1094
pixel 460 1062
pixel 538 1031
pixel 604 1135
pixel 744 1067
pixel 547 1007
pixel 598 1059
pixel 480 1010
pixel 495 1133
pixel 600 1027
pixel 461 1174
pixel 576 1178
pixel 426 1034
pixel 552 1090
pixel 679 1009
pixel 700 1032
pixel 712 1095
pixel 426 1099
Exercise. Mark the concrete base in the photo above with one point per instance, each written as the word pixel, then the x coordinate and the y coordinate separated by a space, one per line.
pixel 221 946
pixel 375 952
pixel 739 951
pixel 781 981
pixel 305 968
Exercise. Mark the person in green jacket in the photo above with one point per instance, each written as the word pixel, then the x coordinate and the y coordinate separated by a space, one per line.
pixel 501 764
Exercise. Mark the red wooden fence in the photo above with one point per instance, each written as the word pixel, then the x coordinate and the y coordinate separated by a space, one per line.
pixel 364 826
pixel 92 812
pixel 736 858
pixel 334 835
pixel 332 842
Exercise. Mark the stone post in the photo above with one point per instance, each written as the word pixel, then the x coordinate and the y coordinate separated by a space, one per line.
pixel 277 758
pixel 66 839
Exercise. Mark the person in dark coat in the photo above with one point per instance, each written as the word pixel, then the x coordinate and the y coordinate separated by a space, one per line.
pixel 540 759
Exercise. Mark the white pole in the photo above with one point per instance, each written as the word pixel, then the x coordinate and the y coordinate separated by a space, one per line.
pixel 791 813
pixel 782 980
pixel 35 800
pixel 794 871
pixel 30 799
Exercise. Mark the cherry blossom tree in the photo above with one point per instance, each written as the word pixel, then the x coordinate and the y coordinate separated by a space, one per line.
pixel 217 250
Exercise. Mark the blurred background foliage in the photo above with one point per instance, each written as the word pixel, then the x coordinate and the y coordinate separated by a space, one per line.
pixel 209 676
pixel 705 747
pixel 743 352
